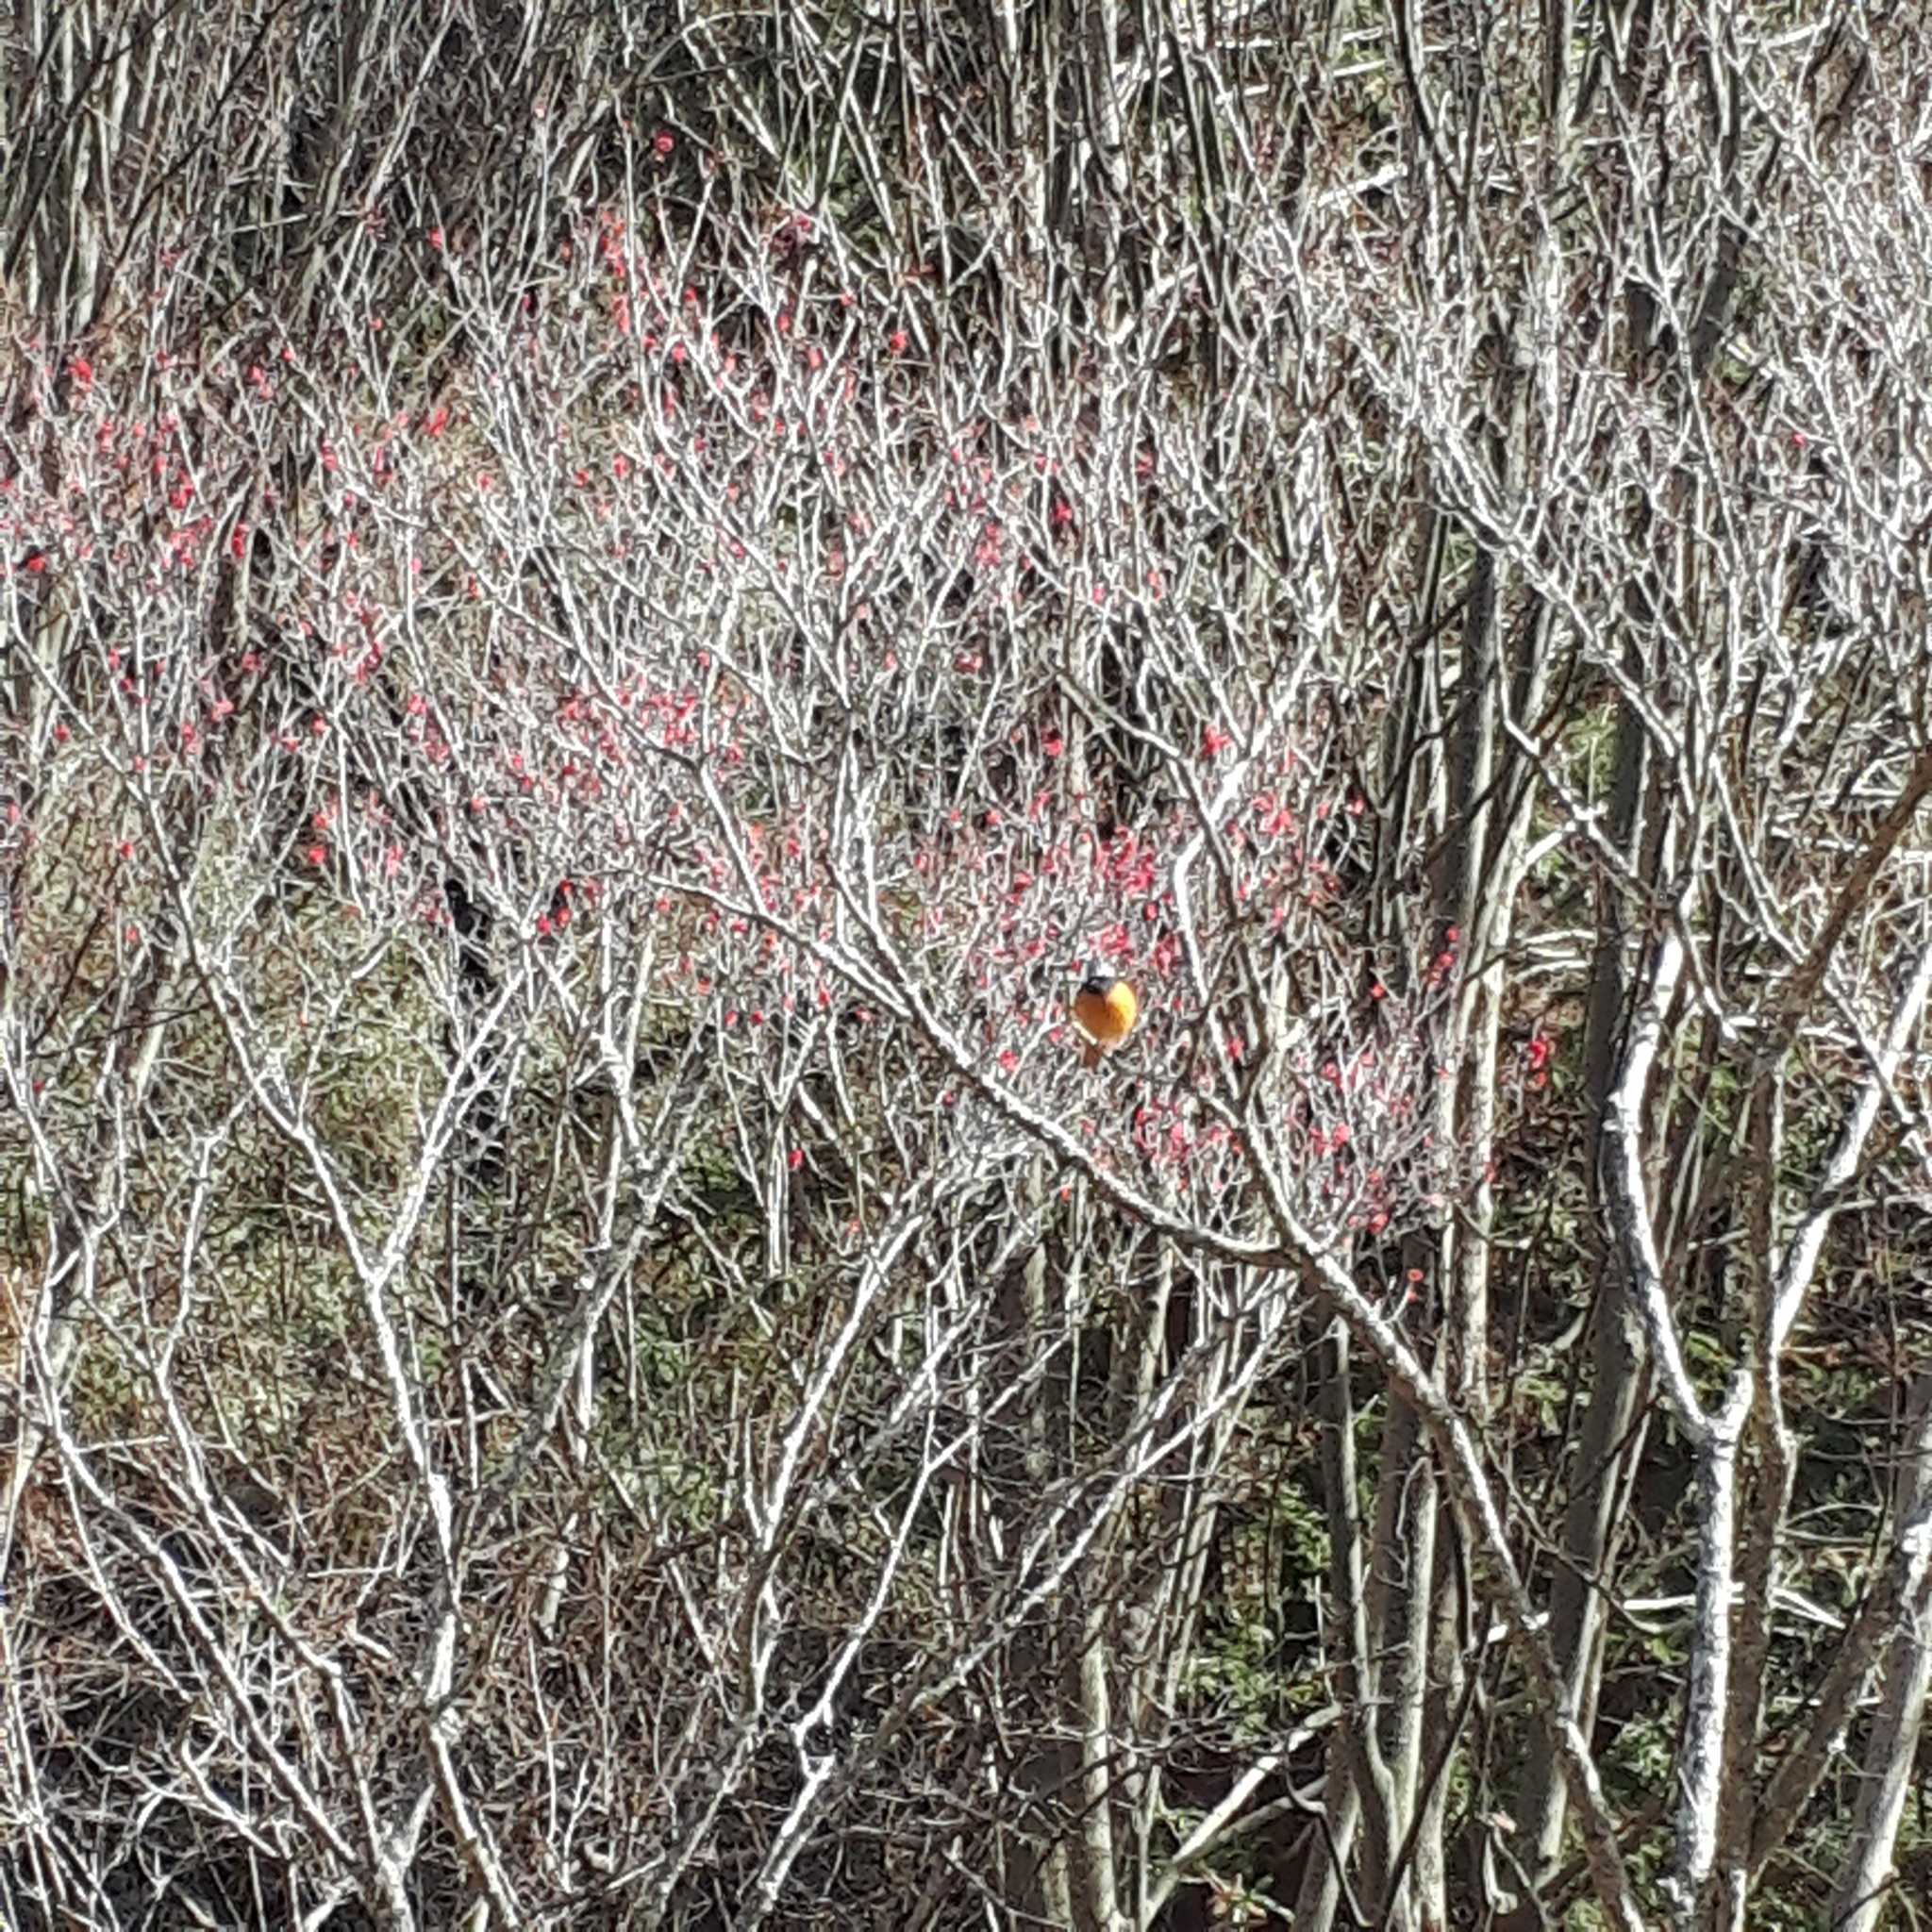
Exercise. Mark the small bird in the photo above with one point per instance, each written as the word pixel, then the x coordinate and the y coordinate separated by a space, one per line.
pixel 1105 1010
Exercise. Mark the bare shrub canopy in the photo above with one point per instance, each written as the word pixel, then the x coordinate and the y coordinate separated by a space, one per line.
pixel 602 614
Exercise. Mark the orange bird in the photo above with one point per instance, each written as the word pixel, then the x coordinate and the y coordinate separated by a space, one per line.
pixel 1105 1010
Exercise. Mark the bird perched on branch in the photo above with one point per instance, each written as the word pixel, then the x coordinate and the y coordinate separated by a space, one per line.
pixel 1104 1009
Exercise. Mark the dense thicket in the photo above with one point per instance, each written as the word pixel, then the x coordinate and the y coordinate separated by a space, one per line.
pixel 601 608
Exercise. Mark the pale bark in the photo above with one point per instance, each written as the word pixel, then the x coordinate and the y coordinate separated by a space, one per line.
pixel 1859 1902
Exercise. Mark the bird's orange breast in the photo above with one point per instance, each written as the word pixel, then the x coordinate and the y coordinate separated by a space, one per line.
pixel 1108 1016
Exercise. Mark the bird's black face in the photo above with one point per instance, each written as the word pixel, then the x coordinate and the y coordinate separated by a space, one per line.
pixel 1098 984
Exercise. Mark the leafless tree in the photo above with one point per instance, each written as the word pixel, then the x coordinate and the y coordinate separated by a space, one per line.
pixel 602 611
